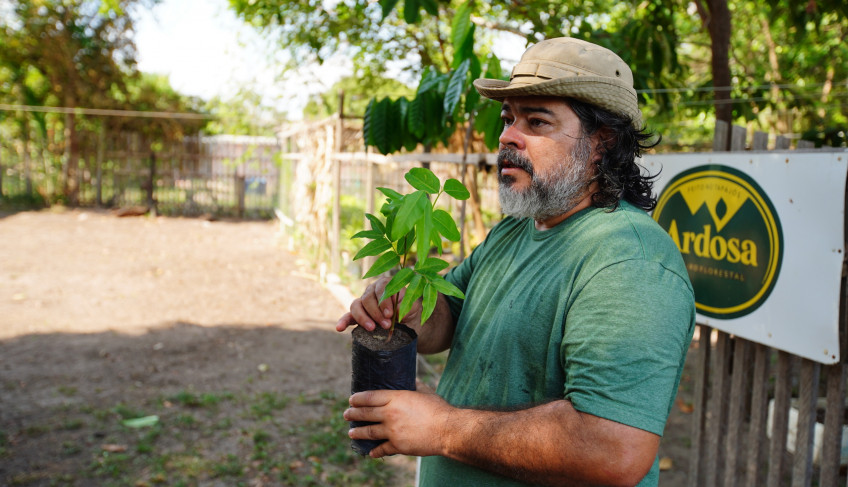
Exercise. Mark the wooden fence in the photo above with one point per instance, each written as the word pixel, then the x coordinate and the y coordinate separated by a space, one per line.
pixel 752 401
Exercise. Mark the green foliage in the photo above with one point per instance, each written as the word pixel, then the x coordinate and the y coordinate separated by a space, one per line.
pixel 409 220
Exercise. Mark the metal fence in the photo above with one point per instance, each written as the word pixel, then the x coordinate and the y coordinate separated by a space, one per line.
pixel 223 175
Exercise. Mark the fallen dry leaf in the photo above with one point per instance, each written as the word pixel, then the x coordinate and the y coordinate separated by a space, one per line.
pixel 685 407
pixel 665 464
pixel 113 448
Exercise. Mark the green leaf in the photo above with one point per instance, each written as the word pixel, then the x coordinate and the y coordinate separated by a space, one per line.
pixel 390 193
pixel 416 117
pixel 446 288
pixel 368 234
pixel 376 224
pixel 461 25
pixel 456 87
pixel 410 11
pixel 405 243
pixel 413 292
pixel 443 222
pixel 429 80
pixel 456 189
pixel 412 208
pixel 388 6
pixel 373 248
pixel 423 228
pixel 380 123
pixel 397 283
pixel 431 265
pixel 141 422
pixel 423 179
pixel 368 124
pixel 382 264
pixel 431 296
pixel 431 7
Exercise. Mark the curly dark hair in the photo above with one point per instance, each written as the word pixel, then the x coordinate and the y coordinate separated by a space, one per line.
pixel 619 176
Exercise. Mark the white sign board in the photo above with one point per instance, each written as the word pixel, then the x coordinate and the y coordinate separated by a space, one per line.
pixel 763 239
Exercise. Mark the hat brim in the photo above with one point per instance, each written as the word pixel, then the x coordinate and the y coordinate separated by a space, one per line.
pixel 606 93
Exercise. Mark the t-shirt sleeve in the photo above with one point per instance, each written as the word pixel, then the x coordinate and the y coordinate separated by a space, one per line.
pixel 625 339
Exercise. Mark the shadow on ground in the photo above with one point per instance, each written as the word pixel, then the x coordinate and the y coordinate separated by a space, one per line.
pixel 234 404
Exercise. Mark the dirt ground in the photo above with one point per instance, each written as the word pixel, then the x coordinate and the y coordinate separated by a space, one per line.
pixel 135 313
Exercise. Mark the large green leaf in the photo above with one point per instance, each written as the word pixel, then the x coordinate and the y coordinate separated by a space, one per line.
pixel 431 7
pixel 461 25
pixel 413 292
pixel 367 125
pixel 368 234
pixel 428 304
pixel 443 222
pixel 390 193
pixel 388 6
pixel 446 288
pixel 410 11
pixel 456 87
pixel 382 264
pixel 424 227
pixel 380 123
pixel 423 179
pixel 456 189
pixel 415 117
pixel 373 248
pixel 376 224
pixel 397 283
pixel 432 265
pixel 412 208
pixel 429 80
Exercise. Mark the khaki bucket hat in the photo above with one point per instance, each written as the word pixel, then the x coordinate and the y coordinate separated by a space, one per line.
pixel 572 68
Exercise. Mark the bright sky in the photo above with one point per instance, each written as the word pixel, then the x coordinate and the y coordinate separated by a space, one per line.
pixel 206 51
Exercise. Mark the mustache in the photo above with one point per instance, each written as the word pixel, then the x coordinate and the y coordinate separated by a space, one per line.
pixel 508 157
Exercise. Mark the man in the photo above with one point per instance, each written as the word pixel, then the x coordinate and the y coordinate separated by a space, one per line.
pixel 567 351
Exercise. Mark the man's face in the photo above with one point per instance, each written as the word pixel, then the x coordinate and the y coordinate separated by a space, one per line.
pixel 544 163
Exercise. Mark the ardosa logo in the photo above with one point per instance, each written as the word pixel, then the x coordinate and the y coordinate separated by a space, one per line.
pixel 729 235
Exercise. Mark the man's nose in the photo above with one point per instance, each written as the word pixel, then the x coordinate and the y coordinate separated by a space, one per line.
pixel 512 137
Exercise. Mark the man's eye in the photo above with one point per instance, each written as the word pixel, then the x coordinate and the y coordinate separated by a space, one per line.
pixel 537 122
pixel 506 120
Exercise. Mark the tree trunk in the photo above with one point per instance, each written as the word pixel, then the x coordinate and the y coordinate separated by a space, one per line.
pixel 716 19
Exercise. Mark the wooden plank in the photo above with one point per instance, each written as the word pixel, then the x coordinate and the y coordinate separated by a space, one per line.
pixel 736 405
pixel 701 378
pixel 759 142
pixel 781 143
pixel 716 425
pixel 737 138
pixel 780 418
pixel 759 408
pixel 833 420
pixel 805 144
pixel 802 465
pixel 721 136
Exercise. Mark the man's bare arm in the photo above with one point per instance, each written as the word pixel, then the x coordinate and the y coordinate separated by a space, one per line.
pixel 550 444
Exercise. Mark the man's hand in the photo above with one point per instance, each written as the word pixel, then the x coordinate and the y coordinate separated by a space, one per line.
pixel 368 311
pixel 413 423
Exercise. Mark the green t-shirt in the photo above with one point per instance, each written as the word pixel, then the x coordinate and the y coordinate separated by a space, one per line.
pixel 598 310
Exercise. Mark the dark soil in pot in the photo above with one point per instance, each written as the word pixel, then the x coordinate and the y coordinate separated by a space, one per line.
pixel 378 364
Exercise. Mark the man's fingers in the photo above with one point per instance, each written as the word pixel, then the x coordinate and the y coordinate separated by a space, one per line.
pixel 368 432
pixel 363 414
pixel 384 449
pixel 377 311
pixel 369 399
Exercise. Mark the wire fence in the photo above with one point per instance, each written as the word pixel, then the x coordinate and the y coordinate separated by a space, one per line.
pixel 223 175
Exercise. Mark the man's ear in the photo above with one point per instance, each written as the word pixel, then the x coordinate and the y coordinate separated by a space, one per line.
pixel 601 140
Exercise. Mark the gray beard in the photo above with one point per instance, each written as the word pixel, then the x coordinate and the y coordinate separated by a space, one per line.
pixel 551 194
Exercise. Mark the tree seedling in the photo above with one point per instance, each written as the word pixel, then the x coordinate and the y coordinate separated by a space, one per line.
pixel 408 227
